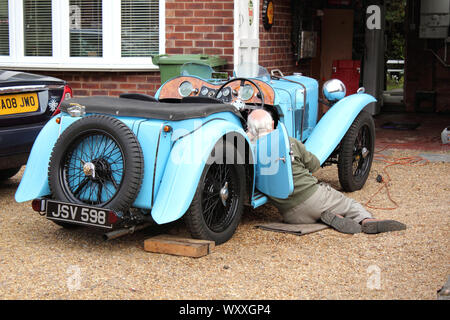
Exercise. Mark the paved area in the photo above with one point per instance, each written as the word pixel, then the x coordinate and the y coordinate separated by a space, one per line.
pixel 39 260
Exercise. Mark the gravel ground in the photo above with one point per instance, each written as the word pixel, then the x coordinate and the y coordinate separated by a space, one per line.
pixel 39 260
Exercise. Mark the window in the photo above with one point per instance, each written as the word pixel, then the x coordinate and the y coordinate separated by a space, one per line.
pixel 81 34
pixel 37 20
pixel 85 21
pixel 140 25
pixel 4 28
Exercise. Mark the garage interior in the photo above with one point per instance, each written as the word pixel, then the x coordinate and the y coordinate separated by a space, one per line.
pixel 413 89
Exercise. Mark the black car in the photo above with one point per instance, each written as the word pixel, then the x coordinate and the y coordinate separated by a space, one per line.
pixel 27 102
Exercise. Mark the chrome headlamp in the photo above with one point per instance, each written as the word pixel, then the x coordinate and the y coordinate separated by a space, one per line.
pixel 334 90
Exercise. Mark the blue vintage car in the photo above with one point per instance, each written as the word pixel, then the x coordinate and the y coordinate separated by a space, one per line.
pixel 123 163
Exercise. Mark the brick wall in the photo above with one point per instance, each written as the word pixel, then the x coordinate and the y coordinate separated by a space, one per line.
pixel 110 83
pixel 276 50
pixel 200 27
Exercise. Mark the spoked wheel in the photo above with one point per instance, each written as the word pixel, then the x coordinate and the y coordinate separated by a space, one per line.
pixel 217 206
pixel 356 153
pixel 97 161
pixel 93 168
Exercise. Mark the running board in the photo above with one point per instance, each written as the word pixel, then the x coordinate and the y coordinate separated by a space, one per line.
pixel 258 199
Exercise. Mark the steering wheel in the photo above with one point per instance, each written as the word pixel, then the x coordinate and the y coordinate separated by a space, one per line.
pixel 237 102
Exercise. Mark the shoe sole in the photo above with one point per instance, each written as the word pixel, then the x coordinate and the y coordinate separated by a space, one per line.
pixel 344 225
pixel 373 227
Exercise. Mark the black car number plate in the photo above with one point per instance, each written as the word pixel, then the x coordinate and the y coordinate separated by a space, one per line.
pixel 77 214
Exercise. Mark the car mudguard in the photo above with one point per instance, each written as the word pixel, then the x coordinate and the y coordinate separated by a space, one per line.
pixel 185 166
pixel 34 182
pixel 334 124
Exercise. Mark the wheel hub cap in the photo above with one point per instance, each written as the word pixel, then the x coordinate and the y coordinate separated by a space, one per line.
pixel 89 169
pixel 364 152
pixel 224 194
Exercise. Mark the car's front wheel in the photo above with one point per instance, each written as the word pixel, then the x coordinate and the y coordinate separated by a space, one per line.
pixel 356 153
pixel 218 202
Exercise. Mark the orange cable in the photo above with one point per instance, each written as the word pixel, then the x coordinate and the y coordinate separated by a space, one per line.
pixel 407 161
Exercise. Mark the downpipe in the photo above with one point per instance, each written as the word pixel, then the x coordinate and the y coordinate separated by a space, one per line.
pixel 125 231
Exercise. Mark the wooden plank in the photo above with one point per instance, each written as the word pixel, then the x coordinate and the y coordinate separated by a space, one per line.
pixel 174 245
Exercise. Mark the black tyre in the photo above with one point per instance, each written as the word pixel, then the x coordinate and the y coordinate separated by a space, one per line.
pixel 8 173
pixel 217 207
pixel 356 153
pixel 97 161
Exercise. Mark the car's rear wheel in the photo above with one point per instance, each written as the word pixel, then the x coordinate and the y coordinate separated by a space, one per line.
pixel 356 153
pixel 8 173
pixel 217 206
pixel 97 161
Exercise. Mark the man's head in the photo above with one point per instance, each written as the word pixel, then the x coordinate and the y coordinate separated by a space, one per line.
pixel 259 123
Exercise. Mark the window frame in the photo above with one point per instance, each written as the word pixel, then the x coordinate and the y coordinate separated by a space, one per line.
pixel 112 59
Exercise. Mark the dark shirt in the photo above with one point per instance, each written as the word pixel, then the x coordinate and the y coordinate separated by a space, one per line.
pixel 305 184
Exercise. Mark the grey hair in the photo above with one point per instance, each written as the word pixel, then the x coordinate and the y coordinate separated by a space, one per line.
pixel 260 127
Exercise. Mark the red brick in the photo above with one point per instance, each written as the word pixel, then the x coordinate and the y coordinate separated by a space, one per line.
pixel 194 21
pixel 218 21
pixel 215 6
pixel 174 5
pixel 223 28
pixel 145 87
pixel 193 36
pixel 184 13
pixel 137 78
pixel 203 28
pixel 75 85
pixel 195 6
pixel 99 93
pixel 203 44
pixel 128 86
pixel 223 13
pixel 175 21
pixel 118 78
pixel 203 13
pixel 213 36
pixel 184 28
pixel 175 35
pixel 90 85
pixel 194 51
pixel 80 93
pixel 108 85
pixel 174 50
pixel 223 44
pixel 183 43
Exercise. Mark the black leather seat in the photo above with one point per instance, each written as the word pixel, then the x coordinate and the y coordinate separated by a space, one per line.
pixel 138 96
pixel 147 109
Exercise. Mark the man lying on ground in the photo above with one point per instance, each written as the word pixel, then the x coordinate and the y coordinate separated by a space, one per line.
pixel 311 201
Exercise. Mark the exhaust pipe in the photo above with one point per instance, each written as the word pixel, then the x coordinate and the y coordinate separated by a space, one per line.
pixel 122 232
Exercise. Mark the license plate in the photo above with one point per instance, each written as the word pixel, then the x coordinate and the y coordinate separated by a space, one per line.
pixel 77 214
pixel 18 103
